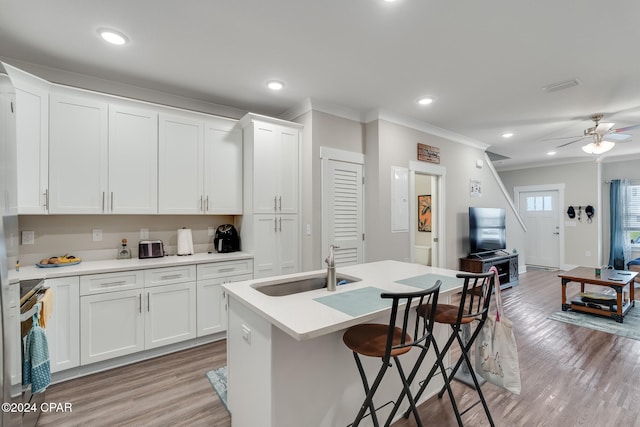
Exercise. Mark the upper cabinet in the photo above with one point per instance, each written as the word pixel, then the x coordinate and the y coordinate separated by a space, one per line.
pixel 271 167
pixel 200 165
pixel 32 135
pixel 133 160
pixel 78 155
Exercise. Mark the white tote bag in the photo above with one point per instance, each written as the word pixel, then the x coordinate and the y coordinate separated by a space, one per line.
pixel 496 350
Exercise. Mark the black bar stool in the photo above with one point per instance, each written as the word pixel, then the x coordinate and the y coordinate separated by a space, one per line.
pixel 474 307
pixel 389 342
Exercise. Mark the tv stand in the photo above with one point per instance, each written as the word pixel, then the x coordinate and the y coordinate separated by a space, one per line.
pixel 507 266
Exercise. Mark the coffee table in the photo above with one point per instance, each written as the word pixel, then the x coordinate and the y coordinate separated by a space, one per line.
pixel 620 281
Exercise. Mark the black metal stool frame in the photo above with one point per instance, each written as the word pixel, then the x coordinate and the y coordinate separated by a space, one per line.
pixel 477 288
pixel 422 338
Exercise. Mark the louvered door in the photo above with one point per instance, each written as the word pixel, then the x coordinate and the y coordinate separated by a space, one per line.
pixel 344 210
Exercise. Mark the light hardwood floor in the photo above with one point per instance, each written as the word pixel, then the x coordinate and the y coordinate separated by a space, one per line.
pixel 571 376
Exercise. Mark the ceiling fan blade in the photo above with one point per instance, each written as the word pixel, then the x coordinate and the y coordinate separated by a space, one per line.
pixel 625 129
pixel 603 128
pixel 562 137
pixel 570 142
pixel 617 137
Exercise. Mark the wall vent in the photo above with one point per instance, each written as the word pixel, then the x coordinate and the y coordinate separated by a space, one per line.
pixel 561 85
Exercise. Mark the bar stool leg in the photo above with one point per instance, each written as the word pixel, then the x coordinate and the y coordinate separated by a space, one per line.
pixel 463 375
pixel 368 402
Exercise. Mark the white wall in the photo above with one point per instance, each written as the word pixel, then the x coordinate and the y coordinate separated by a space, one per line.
pixel 390 144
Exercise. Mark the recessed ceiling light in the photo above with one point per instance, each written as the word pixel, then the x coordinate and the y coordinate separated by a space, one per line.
pixel 507 134
pixel 113 36
pixel 425 100
pixel 551 153
pixel 275 85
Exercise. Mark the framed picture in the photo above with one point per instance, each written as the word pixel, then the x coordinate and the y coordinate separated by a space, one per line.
pixel 424 212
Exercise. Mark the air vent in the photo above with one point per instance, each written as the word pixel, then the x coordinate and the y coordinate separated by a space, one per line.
pixel 561 86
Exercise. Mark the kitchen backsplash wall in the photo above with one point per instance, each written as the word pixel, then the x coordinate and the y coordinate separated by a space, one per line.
pixel 55 235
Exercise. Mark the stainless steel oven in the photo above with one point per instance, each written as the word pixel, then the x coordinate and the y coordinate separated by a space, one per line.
pixel 31 292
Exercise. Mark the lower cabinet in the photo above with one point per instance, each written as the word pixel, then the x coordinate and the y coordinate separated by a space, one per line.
pixel 63 327
pixel 212 304
pixel 111 325
pixel 170 315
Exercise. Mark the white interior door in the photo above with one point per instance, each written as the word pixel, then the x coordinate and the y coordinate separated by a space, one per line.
pixel 539 211
pixel 343 208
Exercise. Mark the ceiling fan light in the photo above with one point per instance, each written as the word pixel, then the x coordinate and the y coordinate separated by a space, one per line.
pixel 598 148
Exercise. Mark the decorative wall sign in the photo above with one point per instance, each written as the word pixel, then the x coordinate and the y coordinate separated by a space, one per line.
pixel 428 153
pixel 424 212
pixel 475 189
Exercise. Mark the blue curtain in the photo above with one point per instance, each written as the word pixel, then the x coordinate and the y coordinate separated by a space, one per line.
pixel 616 205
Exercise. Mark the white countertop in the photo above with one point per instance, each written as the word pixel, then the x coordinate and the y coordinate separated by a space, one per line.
pixel 113 265
pixel 302 318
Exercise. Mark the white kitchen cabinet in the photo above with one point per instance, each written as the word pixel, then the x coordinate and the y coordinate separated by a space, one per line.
pixel 222 167
pixel 211 300
pixel 270 225
pixel 275 245
pixel 78 154
pixel 111 325
pixel 133 160
pixel 170 315
pixel 180 141
pixel 200 165
pixel 32 135
pixel 271 162
pixel 63 327
pixel 13 337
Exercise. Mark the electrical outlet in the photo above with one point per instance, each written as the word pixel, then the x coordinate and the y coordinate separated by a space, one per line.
pixel 97 235
pixel 587 253
pixel 144 233
pixel 28 237
pixel 210 231
pixel 246 334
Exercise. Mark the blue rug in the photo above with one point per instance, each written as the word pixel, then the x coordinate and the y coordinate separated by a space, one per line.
pixel 218 379
pixel 629 329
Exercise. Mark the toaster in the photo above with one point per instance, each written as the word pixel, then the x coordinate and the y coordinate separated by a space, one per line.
pixel 150 249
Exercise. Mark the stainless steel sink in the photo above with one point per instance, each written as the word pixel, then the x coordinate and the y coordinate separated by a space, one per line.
pixel 278 289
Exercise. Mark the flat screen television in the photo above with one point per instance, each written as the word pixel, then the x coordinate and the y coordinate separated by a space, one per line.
pixel 487 230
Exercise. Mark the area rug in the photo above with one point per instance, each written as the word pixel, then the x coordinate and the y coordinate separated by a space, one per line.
pixel 218 379
pixel 629 329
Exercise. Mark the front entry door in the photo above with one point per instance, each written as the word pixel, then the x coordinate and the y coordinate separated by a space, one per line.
pixel 539 211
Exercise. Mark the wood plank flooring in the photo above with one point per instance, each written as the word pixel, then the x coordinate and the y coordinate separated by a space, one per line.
pixel 571 376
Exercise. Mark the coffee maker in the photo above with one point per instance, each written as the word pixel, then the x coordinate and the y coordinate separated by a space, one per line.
pixel 226 239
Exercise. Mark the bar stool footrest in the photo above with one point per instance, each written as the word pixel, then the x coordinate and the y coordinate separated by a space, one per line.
pixel 368 414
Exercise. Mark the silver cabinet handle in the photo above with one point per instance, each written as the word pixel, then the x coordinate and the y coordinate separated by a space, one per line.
pixel 140 303
pixel 275 224
pixel 207 204
pixel 224 270
pixel 103 201
pixel 200 202
pixel 280 220
pixel 112 201
pixel 280 203
pixel 275 203
pixel 148 302
pixel 118 283
pixel 171 276
pixel 46 198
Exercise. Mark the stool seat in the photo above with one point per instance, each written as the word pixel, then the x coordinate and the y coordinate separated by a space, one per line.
pixel 445 313
pixel 370 339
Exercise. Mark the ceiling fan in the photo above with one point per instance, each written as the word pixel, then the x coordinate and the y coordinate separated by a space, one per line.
pixel 604 137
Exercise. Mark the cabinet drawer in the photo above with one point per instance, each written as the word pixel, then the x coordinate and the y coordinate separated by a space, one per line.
pixel 110 282
pixel 225 268
pixel 169 275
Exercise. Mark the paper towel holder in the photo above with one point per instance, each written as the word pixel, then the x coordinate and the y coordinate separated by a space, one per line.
pixel 185 242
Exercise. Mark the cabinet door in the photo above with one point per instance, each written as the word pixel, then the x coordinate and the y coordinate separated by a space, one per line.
pixel 265 257
pixel 111 325
pixel 170 314
pixel 289 176
pixel 63 327
pixel 13 338
pixel 78 155
pixel 287 238
pixel 223 168
pixel 133 161
pixel 180 168
pixel 32 133
pixel 212 304
pixel 266 161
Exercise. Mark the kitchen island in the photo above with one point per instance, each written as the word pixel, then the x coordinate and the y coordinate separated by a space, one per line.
pixel 287 364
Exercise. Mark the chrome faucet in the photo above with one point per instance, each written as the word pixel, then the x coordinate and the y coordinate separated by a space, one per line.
pixel 331 269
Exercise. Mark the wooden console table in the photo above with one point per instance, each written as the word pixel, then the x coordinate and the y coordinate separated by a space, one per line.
pixel 507 266
pixel 620 281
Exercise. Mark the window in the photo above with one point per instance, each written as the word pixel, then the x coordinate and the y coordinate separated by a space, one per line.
pixel 632 217
pixel 540 203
